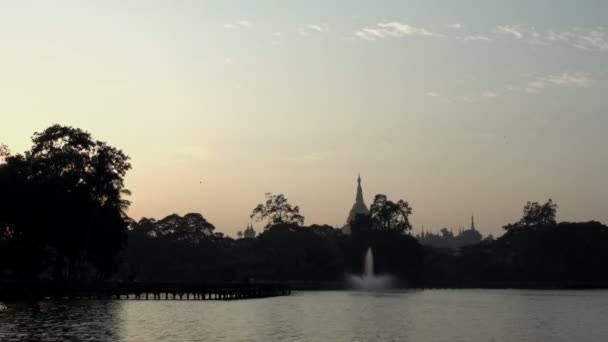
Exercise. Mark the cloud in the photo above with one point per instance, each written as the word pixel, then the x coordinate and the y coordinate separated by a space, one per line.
pixel 456 26
pixel 489 93
pixel 562 80
pixel 319 27
pixel 432 94
pixel 476 38
pixel 582 38
pixel 237 25
pixel 393 30
pixel 314 28
pixel 513 30
pixel 586 39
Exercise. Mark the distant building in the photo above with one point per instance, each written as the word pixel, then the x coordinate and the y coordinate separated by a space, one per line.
pixel 358 208
pixel 249 233
pixel 446 238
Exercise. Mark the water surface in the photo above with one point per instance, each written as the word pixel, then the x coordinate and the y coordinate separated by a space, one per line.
pixel 430 315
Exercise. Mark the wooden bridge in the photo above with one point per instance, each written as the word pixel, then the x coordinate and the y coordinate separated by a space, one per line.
pixel 136 291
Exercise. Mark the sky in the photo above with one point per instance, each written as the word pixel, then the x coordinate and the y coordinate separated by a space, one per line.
pixel 459 107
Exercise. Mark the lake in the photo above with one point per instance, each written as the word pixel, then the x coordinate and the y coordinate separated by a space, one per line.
pixel 412 315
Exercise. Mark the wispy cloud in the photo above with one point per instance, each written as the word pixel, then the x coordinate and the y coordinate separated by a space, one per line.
pixel 319 27
pixel 238 24
pixel 432 94
pixel 586 39
pixel 582 38
pixel 513 30
pixel 314 28
pixel 456 26
pixel 393 29
pixel 562 80
pixel 476 38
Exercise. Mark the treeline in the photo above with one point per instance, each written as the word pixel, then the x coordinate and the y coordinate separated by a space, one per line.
pixel 63 216
pixel 283 252
pixel 534 250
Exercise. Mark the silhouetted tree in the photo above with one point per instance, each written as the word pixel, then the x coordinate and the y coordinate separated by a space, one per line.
pixel 361 223
pixel 446 233
pixel 62 203
pixel 192 227
pixel 277 211
pixel 174 248
pixel 4 153
pixel 389 216
pixel 536 215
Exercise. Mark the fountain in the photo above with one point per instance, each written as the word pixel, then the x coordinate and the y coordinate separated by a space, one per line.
pixel 369 280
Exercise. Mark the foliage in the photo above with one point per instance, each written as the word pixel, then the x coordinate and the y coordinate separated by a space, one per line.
pixel 277 211
pixel 390 216
pixel 536 215
pixel 62 205
pixel 4 153
pixel 163 249
pixel 63 215
pixel 384 215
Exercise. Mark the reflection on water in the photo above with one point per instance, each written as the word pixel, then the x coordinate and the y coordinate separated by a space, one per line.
pixel 433 315
pixel 60 321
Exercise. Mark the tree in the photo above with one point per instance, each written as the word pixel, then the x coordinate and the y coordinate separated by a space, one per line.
pixel 81 162
pixel 277 211
pixel 4 153
pixel 239 234
pixel 192 227
pixel 536 215
pixel 65 197
pixel 446 233
pixel 361 223
pixel 389 216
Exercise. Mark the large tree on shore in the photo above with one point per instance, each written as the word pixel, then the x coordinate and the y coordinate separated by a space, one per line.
pixel 277 211
pixel 64 200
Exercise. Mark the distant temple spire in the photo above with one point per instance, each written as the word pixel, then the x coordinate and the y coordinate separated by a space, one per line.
pixel 359 198
pixel 472 222
pixel 249 232
pixel 358 208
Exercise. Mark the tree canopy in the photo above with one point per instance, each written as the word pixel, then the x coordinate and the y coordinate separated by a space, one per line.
pixel 384 215
pixel 62 204
pixel 277 211
pixel 536 215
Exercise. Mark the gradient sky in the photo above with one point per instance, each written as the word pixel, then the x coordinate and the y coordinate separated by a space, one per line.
pixel 459 107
